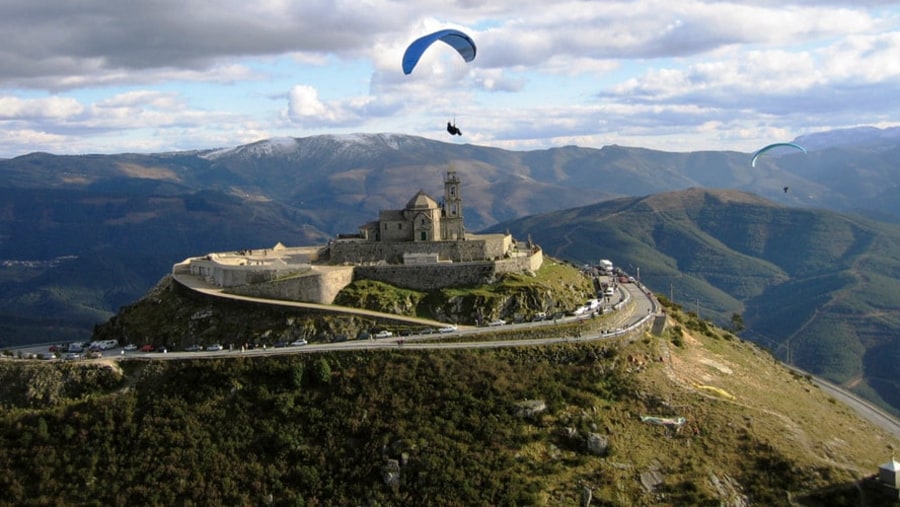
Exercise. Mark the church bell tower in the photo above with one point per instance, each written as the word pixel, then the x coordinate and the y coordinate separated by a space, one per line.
pixel 452 220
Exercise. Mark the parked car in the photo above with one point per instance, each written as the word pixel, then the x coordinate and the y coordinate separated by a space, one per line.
pixel 215 347
pixel 447 329
pixel 298 343
pixel 281 343
pixel 130 347
pixel 148 348
pixel 384 334
pixel 194 348
pixel 498 322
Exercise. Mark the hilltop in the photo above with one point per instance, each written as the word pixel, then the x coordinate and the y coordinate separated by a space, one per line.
pixel 176 317
pixel 519 426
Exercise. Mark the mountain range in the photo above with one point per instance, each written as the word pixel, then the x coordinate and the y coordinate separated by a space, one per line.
pixel 786 244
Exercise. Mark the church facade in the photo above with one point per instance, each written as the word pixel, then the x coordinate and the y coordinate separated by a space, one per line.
pixel 423 219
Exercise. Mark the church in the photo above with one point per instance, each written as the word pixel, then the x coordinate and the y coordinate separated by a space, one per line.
pixel 423 219
pixel 424 232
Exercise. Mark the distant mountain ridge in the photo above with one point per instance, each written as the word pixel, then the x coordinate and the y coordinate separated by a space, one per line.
pixel 125 218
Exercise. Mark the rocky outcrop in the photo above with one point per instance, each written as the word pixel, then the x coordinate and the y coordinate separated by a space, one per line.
pixel 530 409
pixel 597 444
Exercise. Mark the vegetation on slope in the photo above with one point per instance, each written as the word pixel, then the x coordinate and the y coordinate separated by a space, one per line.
pixel 406 427
pixel 820 289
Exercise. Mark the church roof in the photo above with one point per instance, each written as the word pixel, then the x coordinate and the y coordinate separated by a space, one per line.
pixel 421 201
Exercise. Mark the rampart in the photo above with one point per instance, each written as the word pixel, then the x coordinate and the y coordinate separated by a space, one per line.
pixel 370 252
pixel 473 248
pixel 426 277
pixel 521 262
pixel 291 275
pixel 318 285
pixel 249 267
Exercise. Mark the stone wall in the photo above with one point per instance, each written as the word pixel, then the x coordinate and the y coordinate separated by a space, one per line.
pixel 519 263
pixel 353 251
pixel 315 286
pixel 224 275
pixel 431 276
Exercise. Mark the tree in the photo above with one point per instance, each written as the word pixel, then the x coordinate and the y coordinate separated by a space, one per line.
pixel 297 377
pixel 322 372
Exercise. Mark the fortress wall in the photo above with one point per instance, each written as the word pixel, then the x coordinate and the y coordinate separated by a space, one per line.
pixel 317 286
pixel 520 263
pixel 231 276
pixel 362 252
pixel 429 277
pixel 495 245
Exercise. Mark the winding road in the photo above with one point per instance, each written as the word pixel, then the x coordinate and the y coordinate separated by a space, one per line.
pixel 635 309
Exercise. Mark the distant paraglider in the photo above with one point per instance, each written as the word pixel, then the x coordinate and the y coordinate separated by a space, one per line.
pixel 773 146
pixel 452 129
pixel 462 43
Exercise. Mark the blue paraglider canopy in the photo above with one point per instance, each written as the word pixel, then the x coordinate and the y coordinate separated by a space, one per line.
pixel 459 41
pixel 772 147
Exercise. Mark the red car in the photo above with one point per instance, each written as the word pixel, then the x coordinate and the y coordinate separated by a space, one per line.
pixel 148 348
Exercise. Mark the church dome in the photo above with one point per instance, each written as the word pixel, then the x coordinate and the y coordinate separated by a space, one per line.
pixel 421 201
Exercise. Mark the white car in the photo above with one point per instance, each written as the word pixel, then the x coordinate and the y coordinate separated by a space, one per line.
pixel 130 347
pixel 384 334
pixel 498 322
pixel 447 329
pixel 215 347
pixel 298 343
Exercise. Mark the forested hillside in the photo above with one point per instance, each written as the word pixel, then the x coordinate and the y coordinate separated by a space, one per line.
pixel 518 426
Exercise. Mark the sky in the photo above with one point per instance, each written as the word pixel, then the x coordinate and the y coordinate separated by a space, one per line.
pixel 150 76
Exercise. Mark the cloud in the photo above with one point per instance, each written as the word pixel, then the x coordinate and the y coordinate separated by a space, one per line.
pixel 166 72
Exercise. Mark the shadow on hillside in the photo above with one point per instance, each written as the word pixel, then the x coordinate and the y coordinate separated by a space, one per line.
pixel 866 493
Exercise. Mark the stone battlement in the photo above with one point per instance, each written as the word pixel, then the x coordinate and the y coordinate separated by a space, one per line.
pixel 301 274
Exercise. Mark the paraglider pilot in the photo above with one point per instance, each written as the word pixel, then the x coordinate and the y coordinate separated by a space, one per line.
pixel 451 128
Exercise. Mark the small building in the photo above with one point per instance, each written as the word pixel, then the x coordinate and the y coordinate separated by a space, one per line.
pixel 889 474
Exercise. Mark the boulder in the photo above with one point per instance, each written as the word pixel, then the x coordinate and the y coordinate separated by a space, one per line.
pixel 597 444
